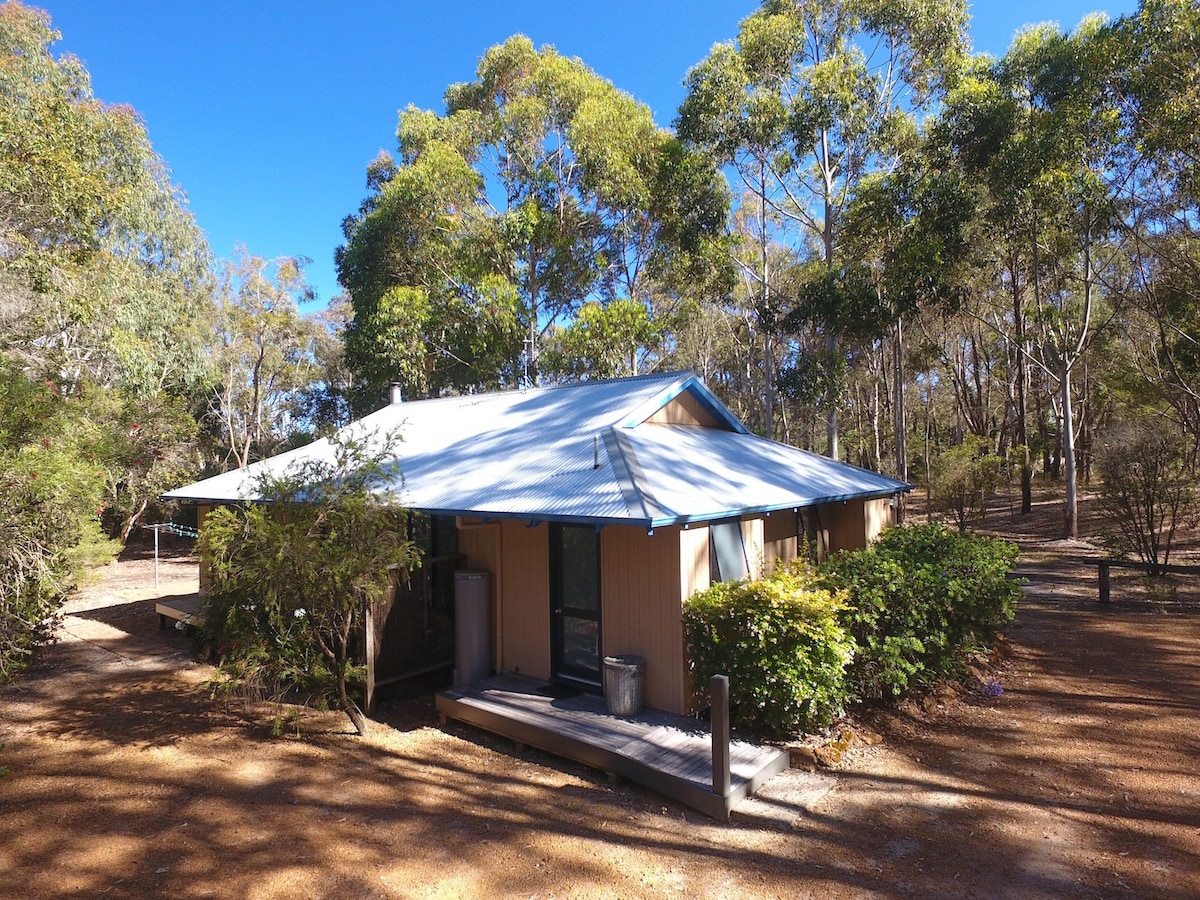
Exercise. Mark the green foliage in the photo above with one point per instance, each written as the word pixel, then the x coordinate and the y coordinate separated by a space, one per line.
pixel 104 274
pixel 780 641
pixel 1149 488
pixel 601 342
pixel 266 353
pixel 965 478
pixel 542 188
pixel 921 598
pixel 811 100
pixel 50 501
pixel 292 576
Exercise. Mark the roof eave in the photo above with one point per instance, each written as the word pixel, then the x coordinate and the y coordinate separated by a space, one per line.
pixel 774 507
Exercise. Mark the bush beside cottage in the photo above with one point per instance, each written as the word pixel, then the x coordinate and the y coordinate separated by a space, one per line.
pixel 803 644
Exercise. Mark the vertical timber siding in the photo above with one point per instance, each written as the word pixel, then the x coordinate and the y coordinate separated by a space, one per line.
pixel 693 576
pixel 524 593
pixel 878 515
pixel 781 541
pixel 847 525
pixel 693 560
pixel 752 540
pixel 640 607
pixel 685 410
pixel 480 544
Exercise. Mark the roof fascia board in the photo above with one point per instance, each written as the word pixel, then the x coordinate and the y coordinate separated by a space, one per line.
pixel 776 507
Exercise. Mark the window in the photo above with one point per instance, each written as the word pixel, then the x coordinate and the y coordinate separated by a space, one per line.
pixel 727 559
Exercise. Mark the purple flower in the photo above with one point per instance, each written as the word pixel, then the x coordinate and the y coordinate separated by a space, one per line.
pixel 991 688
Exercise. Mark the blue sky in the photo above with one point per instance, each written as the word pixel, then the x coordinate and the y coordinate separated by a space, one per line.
pixel 268 111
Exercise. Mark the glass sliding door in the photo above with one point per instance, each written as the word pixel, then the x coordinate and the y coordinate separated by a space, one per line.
pixel 575 603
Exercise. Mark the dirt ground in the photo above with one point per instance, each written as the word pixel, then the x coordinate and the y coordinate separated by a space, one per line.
pixel 119 777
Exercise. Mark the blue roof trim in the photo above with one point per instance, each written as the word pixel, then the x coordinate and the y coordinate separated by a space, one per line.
pixel 694 386
pixel 535 518
pixel 756 510
pixel 659 522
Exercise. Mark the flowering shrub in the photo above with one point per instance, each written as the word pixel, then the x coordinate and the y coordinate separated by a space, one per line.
pixel 292 578
pixel 780 642
pixel 920 599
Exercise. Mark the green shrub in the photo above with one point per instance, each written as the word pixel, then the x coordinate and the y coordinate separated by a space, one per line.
pixel 920 599
pixel 780 642
pixel 292 578
pixel 50 496
pixel 1149 488
pixel 965 478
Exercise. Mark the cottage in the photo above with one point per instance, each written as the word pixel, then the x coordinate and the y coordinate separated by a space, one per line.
pixel 596 509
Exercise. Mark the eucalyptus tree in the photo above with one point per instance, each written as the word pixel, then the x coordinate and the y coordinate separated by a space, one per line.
pixel 266 355
pixel 912 231
pixel 542 187
pixel 103 273
pixel 1158 87
pixel 1039 128
pixel 813 96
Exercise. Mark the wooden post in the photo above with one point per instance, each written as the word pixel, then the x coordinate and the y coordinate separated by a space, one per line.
pixel 719 698
pixel 369 647
pixel 1104 588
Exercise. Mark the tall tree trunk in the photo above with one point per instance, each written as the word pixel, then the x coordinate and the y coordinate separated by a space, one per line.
pixel 899 418
pixel 831 406
pixel 766 318
pixel 1071 513
pixel 831 343
pixel 1022 400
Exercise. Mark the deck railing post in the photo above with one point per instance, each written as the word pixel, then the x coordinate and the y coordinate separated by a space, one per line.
pixel 719 698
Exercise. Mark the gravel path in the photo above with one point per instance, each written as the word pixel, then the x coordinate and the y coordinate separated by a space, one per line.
pixel 124 779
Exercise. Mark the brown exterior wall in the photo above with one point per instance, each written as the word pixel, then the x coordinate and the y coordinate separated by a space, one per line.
pixel 847 530
pixel 752 540
pixel 640 607
pixel 524 597
pixel 693 560
pixel 878 515
pixel 644 580
pixel 684 410
pixel 781 541
pixel 856 523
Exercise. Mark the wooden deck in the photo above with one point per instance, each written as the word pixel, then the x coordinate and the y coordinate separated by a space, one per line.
pixel 667 753
pixel 183 608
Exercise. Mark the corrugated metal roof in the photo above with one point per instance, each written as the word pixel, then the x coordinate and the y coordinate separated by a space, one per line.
pixel 533 454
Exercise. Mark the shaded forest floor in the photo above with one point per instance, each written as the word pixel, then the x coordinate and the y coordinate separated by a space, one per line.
pixel 122 778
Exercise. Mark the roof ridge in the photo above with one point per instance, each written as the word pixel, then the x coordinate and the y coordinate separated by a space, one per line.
pixel 616 379
pixel 630 477
pixel 542 389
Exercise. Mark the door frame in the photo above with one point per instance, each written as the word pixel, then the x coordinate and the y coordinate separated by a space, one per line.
pixel 561 669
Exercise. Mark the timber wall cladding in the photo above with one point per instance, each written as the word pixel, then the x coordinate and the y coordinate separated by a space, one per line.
pixel 684 410
pixel 846 523
pixel 752 542
pixel 781 543
pixel 480 544
pixel 640 607
pixel 878 515
pixel 694 573
pixel 525 598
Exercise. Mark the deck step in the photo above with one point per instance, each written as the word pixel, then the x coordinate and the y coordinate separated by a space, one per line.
pixel 664 752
